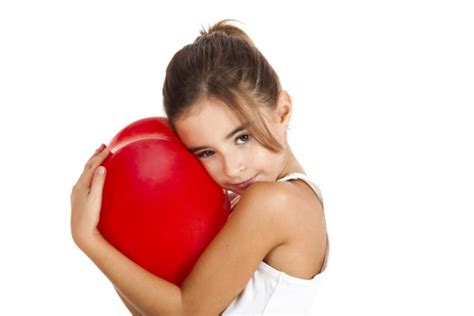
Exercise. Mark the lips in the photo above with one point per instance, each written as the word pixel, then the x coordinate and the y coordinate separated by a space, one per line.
pixel 245 184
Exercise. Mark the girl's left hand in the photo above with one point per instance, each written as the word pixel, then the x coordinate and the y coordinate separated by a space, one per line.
pixel 86 198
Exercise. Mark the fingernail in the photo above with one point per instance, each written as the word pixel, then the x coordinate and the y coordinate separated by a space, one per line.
pixel 101 170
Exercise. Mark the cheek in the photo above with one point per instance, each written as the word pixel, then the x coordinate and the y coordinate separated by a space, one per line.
pixel 212 169
pixel 258 156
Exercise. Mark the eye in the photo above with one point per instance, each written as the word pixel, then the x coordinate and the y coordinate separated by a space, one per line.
pixel 243 137
pixel 204 154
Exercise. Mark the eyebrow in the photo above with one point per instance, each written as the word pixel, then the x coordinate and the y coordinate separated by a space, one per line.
pixel 234 131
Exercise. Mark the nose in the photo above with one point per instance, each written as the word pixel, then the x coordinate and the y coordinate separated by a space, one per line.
pixel 234 167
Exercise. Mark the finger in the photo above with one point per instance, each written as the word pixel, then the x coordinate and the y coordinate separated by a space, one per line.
pixel 88 173
pixel 102 146
pixel 98 185
pixel 96 155
pixel 97 151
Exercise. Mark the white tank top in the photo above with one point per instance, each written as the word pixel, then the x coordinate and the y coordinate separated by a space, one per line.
pixel 271 291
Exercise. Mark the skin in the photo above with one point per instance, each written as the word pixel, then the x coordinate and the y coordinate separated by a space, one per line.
pixel 281 223
pixel 236 160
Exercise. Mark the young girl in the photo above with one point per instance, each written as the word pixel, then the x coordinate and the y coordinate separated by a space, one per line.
pixel 225 102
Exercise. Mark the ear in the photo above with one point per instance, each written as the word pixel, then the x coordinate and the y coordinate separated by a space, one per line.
pixel 283 109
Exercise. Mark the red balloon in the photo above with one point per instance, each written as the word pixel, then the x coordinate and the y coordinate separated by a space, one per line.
pixel 160 207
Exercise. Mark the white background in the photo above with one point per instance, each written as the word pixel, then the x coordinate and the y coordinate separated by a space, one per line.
pixel 383 99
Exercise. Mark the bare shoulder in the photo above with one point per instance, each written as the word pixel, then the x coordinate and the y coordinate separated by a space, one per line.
pixel 271 193
pixel 258 226
pixel 271 203
pixel 281 197
pixel 300 217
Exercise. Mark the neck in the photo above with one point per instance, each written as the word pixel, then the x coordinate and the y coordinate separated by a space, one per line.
pixel 290 164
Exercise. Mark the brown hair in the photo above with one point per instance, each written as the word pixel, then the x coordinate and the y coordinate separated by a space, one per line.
pixel 224 64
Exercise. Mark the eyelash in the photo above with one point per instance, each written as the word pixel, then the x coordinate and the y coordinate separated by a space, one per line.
pixel 237 138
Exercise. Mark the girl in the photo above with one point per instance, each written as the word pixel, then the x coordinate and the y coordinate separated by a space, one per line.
pixel 225 102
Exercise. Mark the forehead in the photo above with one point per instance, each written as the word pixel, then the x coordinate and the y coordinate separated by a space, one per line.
pixel 209 120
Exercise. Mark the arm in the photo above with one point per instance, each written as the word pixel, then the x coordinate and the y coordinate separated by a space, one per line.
pixel 129 305
pixel 222 271
pixel 258 224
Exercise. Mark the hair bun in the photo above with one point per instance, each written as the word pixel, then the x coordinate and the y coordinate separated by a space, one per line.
pixel 225 27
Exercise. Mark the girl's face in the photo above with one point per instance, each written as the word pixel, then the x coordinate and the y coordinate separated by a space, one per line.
pixel 226 149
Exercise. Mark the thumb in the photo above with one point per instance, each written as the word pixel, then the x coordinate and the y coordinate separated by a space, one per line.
pixel 98 182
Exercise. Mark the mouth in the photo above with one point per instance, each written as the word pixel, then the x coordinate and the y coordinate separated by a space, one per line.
pixel 245 184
